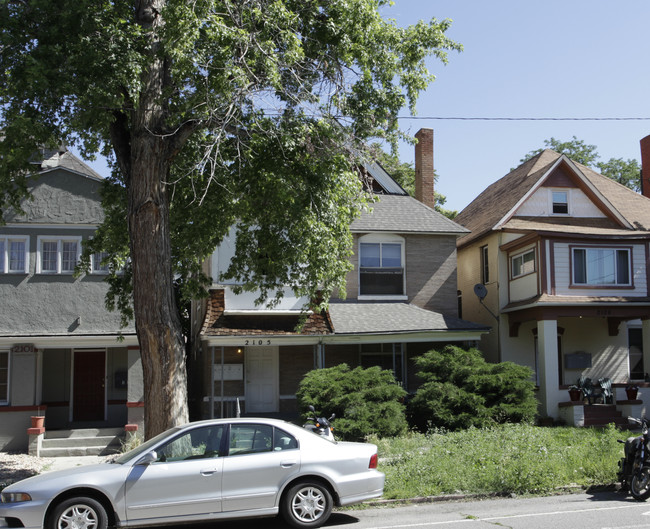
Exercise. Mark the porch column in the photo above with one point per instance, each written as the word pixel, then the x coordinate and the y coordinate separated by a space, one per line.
pixel 549 370
pixel 135 389
pixel 645 335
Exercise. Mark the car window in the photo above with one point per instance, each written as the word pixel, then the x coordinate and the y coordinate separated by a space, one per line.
pixel 198 443
pixel 250 439
pixel 283 440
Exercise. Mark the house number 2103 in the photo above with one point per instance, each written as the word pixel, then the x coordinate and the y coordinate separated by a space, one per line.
pixel 257 342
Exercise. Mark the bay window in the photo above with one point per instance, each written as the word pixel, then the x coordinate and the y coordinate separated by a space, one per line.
pixel 523 263
pixel 601 266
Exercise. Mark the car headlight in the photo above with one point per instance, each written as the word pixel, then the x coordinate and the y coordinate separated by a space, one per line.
pixel 14 497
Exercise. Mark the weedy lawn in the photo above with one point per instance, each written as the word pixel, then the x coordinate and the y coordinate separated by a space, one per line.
pixel 521 459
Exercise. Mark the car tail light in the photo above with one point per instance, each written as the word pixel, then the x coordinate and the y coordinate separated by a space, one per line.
pixel 373 461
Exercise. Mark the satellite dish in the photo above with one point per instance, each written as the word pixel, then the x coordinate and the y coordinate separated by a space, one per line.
pixel 480 291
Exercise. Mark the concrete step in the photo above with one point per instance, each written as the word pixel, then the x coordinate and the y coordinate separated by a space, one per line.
pixel 79 451
pixel 83 432
pixel 82 442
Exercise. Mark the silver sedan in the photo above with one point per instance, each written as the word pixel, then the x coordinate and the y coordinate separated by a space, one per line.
pixel 208 470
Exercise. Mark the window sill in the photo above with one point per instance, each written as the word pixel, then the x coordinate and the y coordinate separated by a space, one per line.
pixel 368 297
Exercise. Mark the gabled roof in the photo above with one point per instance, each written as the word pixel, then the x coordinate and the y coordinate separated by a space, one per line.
pixel 404 214
pixel 62 158
pixel 493 209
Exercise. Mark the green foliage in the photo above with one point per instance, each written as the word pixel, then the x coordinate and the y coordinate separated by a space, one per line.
pixel 365 401
pixel 521 459
pixel 625 172
pixel 260 106
pixel 575 149
pixel 460 390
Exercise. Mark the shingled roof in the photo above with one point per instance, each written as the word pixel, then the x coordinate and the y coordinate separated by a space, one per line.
pixel 485 212
pixel 404 214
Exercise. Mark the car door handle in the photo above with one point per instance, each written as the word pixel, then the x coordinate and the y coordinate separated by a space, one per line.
pixel 288 463
pixel 208 471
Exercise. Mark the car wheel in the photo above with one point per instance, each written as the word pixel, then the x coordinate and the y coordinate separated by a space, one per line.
pixel 307 504
pixel 78 513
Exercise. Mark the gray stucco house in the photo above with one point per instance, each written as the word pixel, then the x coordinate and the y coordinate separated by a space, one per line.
pixel 59 351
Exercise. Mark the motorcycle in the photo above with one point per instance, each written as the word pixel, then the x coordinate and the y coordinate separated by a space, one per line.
pixel 634 467
pixel 321 425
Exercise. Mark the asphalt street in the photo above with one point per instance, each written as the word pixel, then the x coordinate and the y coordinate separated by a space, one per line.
pixel 602 510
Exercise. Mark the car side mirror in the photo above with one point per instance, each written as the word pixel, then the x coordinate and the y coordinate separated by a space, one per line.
pixel 147 459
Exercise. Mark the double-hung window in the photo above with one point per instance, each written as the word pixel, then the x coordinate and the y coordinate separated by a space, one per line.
pixel 485 266
pixel 97 266
pixel 4 377
pixel 523 263
pixel 381 271
pixel 560 202
pixel 601 266
pixel 58 255
pixel 14 255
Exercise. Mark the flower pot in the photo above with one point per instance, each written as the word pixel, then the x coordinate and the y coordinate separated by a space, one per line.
pixel 574 394
pixel 38 421
pixel 631 393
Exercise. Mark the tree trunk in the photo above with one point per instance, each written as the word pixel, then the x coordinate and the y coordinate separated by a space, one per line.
pixel 156 314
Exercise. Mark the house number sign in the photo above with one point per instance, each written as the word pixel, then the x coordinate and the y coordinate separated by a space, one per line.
pixel 257 342
pixel 23 348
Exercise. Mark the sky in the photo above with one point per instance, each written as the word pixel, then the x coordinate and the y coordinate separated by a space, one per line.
pixel 528 58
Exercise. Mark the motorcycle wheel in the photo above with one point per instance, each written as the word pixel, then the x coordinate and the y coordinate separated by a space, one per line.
pixel 640 484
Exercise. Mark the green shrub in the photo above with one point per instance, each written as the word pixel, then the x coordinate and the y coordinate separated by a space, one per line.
pixel 461 390
pixel 365 401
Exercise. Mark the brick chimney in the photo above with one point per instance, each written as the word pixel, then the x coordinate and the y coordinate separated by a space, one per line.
pixel 424 167
pixel 645 166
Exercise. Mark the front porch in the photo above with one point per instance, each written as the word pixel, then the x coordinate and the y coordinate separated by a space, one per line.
pixel 580 413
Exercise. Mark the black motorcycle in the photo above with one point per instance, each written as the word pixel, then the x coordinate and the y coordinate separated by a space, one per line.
pixel 634 468
pixel 321 425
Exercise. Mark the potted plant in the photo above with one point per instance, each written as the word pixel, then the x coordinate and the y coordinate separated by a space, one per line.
pixel 38 420
pixel 631 391
pixel 574 392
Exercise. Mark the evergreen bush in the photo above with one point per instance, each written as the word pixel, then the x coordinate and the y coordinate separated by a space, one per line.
pixel 365 401
pixel 460 390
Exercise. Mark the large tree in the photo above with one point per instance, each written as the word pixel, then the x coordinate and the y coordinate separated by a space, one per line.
pixel 213 113
pixel 626 172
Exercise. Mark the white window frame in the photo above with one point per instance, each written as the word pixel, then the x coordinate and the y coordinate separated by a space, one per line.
pixel 59 254
pixel 101 270
pixel 485 265
pixel 383 239
pixel 524 271
pixel 552 201
pixel 6 240
pixel 614 249
pixel 4 399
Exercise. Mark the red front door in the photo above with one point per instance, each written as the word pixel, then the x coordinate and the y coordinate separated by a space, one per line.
pixel 89 382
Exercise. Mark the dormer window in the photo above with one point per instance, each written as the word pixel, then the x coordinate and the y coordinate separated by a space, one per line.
pixel 381 268
pixel 560 203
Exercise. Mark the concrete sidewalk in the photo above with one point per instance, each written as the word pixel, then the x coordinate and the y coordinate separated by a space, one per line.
pixel 61 463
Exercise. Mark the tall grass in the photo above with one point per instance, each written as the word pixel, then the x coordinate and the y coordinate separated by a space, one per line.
pixel 521 459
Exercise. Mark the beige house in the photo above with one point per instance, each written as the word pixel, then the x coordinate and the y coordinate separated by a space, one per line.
pixel 401 301
pixel 556 262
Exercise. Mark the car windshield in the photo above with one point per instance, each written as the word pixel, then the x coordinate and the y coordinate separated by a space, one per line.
pixel 144 447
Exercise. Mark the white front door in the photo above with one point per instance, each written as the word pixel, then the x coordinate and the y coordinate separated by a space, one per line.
pixel 262 374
